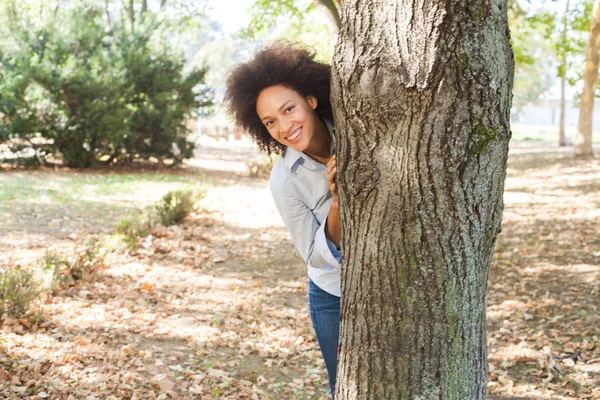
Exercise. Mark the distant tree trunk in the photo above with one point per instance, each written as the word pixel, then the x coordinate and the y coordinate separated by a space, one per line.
pixel 422 98
pixel 107 13
pixel 562 138
pixel 583 144
pixel 332 11
pixel 163 4
pixel 144 6
pixel 131 14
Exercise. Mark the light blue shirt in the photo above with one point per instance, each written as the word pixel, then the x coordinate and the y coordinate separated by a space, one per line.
pixel 301 193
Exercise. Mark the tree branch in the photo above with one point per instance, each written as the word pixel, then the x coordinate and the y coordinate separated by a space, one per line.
pixel 332 10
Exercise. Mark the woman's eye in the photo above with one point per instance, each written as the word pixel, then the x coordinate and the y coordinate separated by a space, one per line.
pixel 289 109
pixel 268 124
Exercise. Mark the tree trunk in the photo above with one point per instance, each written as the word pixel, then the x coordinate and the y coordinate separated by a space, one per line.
pixel 144 6
pixel 131 14
pixel 583 144
pixel 422 95
pixel 107 13
pixel 562 137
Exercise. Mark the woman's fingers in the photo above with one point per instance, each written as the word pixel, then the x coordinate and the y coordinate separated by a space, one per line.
pixel 331 164
pixel 331 172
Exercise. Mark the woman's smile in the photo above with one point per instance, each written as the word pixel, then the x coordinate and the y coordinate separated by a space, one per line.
pixel 295 136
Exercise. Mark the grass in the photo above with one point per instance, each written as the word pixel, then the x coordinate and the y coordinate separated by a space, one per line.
pixel 25 194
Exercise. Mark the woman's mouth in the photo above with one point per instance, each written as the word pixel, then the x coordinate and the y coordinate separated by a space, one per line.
pixel 295 136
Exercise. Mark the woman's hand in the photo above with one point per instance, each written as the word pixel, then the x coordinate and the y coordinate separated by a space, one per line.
pixel 331 172
pixel 333 229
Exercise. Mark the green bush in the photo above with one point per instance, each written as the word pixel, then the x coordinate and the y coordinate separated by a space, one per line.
pixel 19 287
pixel 87 94
pixel 260 167
pixel 176 205
pixel 135 227
pixel 172 208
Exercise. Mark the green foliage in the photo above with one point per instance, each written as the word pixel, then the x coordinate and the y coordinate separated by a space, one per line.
pixel 551 36
pixel 75 88
pixel 301 22
pixel 171 209
pixel 176 205
pixel 19 287
pixel 266 14
pixel 533 53
pixel 133 228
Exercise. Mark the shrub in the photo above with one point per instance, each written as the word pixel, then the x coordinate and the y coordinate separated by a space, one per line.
pixel 260 167
pixel 132 228
pixel 64 271
pixel 176 205
pixel 77 90
pixel 19 287
pixel 172 208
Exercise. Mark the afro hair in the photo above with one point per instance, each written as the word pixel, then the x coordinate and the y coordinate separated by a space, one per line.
pixel 281 63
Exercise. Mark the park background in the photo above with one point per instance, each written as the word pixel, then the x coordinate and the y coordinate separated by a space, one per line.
pixel 142 257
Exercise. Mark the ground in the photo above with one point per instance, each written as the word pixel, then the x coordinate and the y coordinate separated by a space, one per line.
pixel 216 307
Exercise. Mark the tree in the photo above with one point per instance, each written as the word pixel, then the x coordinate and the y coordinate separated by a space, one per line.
pixel 565 28
pixel 562 72
pixel 73 90
pixel 530 33
pixel 422 97
pixel 583 144
pixel 301 20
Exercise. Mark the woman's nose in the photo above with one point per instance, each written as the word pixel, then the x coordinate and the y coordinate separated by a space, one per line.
pixel 286 125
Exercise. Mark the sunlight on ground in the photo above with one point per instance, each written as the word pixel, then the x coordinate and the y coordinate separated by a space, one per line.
pixel 216 307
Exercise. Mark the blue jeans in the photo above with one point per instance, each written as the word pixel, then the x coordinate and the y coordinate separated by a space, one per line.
pixel 325 315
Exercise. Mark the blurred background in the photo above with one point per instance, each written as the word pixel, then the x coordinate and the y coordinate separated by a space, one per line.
pixel 124 278
pixel 89 82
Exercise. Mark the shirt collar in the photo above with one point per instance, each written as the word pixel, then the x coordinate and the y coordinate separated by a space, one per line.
pixel 294 158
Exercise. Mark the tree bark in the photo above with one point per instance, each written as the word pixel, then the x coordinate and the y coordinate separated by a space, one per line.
pixel 562 137
pixel 583 143
pixel 144 6
pixel 422 94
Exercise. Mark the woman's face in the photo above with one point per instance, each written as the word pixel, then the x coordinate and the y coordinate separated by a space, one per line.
pixel 289 118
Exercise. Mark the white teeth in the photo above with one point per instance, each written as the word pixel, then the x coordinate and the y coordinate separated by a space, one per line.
pixel 294 135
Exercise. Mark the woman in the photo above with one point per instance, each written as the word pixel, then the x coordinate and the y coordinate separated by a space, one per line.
pixel 281 98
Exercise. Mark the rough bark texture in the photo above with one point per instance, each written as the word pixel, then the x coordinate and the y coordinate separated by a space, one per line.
pixel 422 96
pixel 583 144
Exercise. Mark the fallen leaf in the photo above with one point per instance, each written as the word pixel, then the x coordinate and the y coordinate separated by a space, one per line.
pixel 147 287
pixel 163 382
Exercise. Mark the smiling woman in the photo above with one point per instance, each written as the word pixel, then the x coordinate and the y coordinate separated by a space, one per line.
pixel 291 120
pixel 281 98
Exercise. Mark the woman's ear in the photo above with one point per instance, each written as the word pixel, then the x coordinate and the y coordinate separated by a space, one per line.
pixel 312 102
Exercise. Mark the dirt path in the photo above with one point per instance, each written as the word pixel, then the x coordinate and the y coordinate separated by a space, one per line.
pixel 216 307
